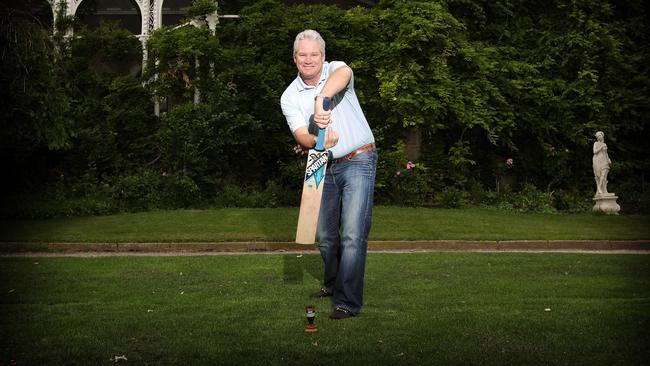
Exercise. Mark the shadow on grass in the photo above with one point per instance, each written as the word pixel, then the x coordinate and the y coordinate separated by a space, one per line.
pixel 296 266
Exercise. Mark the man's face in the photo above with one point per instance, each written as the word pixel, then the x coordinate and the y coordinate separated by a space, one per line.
pixel 309 61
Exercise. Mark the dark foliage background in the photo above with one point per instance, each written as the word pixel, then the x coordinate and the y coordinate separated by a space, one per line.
pixel 457 87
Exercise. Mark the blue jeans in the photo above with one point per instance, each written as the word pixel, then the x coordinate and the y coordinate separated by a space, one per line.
pixel 343 227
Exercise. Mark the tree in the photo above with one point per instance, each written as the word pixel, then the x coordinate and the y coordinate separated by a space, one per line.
pixel 36 107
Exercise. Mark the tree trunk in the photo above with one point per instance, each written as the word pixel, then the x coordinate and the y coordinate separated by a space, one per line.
pixel 413 143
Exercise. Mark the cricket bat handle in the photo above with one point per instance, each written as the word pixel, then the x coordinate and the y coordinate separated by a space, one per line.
pixel 320 140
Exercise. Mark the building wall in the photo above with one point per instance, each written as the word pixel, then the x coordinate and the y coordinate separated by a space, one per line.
pixel 155 13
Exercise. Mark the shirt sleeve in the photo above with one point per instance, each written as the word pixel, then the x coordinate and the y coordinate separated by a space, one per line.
pixel 335 65
pixel 293 114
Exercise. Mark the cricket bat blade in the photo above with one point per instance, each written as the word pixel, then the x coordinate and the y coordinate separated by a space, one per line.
pixel 312 188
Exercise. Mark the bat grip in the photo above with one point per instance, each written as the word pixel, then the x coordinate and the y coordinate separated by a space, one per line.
pixel 320 140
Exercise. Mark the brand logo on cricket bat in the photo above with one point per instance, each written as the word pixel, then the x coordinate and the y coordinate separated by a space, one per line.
pixel 316 166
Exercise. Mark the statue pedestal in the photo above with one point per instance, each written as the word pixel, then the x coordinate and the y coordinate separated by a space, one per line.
pixel 607 204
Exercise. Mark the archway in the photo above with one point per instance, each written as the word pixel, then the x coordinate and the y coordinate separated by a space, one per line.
pixel 126 12
pixel 173 11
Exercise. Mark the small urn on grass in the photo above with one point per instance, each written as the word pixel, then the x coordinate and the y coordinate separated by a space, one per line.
pixel 311 316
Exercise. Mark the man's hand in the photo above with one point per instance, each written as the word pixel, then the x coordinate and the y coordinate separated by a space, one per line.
pixel 331 138
pixel 322 118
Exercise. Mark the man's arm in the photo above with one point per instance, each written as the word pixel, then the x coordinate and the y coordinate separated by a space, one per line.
pixel 304 138
pixel 308 141
pixel 335 83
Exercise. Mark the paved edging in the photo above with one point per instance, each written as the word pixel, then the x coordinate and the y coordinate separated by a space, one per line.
pixel 257 247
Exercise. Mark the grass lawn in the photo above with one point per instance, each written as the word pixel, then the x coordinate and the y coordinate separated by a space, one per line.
pixel 279 224
pixel 420 309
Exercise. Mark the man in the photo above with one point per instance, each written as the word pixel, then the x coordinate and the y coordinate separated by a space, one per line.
pixel 346 208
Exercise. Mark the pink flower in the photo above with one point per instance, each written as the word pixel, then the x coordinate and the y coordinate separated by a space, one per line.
pixel 510 162
pixel 410 165
pixel 398 173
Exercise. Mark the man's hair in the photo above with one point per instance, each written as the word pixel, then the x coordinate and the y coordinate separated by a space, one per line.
pixel 311 35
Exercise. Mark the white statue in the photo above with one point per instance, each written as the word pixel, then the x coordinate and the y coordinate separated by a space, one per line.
pixel 601 164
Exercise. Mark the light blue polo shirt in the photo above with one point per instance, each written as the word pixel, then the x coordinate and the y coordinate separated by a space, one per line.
pixel 348 120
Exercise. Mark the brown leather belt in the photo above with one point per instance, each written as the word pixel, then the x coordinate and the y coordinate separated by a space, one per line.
pixel 362 149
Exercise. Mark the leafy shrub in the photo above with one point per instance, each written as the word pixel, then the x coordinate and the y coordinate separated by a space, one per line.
pixel 272 195
pixel 476 193
pixel 572 201
pixel 138 191
pixel 452 197
pixel 634 202
pixel 530 199
pixel 63 197
pixel 148 189
pixel 401 182
pixel 43 207
pixel 279 196
pixel 487 198
pixel 178 191
pixel 233 195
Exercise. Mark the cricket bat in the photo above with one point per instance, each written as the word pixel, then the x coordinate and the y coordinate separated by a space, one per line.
pixel 312 188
